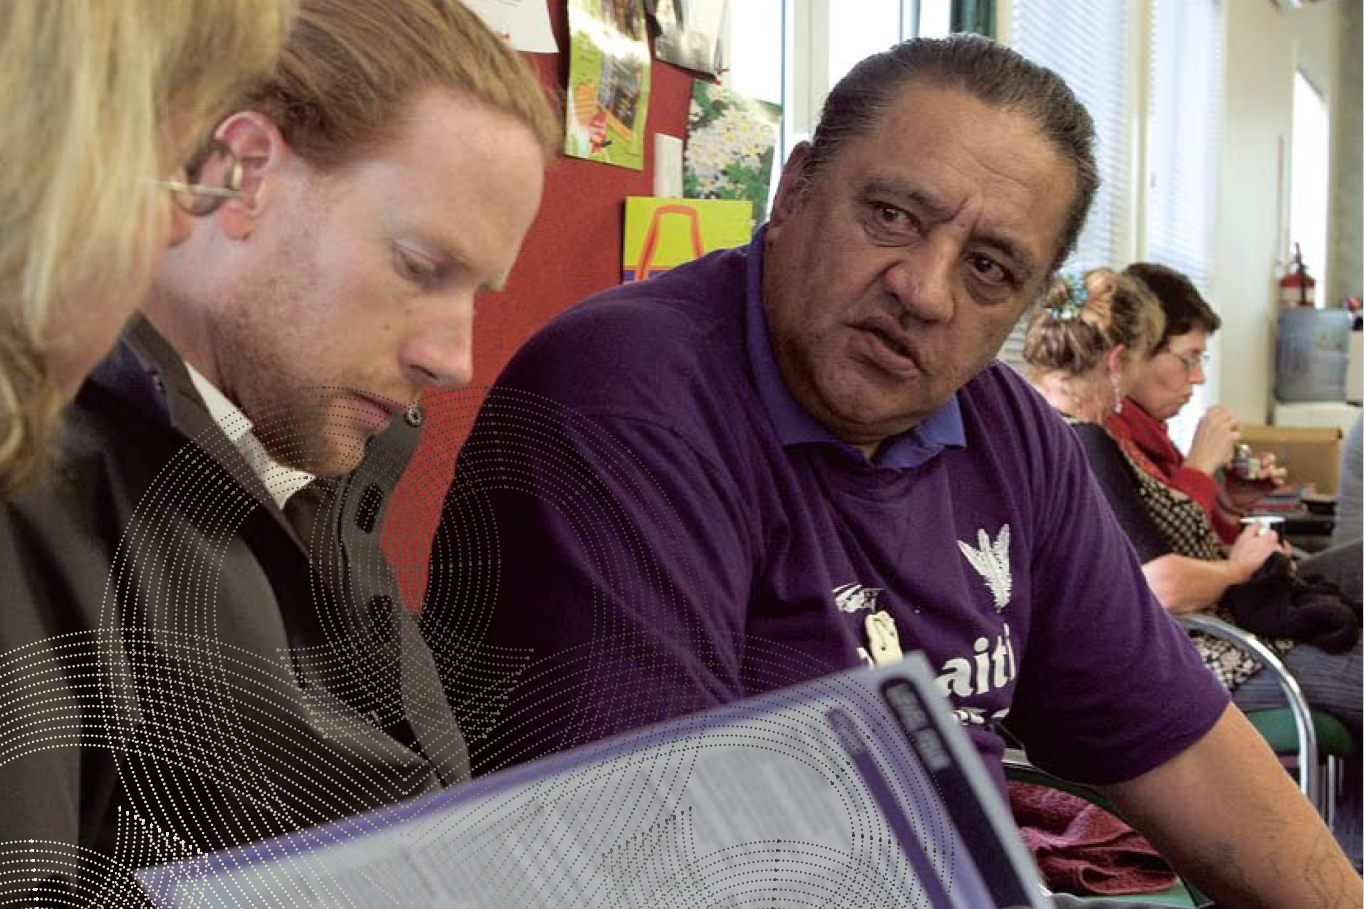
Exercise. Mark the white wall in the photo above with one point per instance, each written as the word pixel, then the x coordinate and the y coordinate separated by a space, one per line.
pixel 1347 220
pixel 1264 43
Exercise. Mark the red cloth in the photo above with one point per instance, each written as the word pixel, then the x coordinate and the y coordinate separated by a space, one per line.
pixel 1148 441
pixel 1082 849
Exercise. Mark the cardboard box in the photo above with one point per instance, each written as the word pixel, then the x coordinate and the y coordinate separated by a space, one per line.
pixel 1311 455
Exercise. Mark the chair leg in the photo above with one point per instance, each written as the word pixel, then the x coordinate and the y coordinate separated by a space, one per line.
pixel 1317 792
pixel 1334 768
pixel 1314 781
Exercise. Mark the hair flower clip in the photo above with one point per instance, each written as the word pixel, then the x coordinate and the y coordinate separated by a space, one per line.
pixel 1075 299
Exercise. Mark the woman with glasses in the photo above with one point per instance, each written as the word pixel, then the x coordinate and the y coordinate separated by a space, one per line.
pixel 1163 385
pixel 104 102
pixel 1085 347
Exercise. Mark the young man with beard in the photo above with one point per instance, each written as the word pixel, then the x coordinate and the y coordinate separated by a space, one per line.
pixel 202 643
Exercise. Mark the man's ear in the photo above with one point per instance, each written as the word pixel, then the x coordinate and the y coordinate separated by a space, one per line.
pixel 791 187
pixel 261 150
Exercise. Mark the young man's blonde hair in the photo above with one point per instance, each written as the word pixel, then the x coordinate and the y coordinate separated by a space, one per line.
pixel 98 98
pixel 350 71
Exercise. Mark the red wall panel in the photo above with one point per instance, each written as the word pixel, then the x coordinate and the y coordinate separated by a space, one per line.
pixel 572 250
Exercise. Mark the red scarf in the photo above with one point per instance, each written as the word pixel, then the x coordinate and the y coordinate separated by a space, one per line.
pixel 1148 442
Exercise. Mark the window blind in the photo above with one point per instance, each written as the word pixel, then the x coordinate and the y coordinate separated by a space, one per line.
pixel 1085 42
pixel 1183 113
pixel 1183 117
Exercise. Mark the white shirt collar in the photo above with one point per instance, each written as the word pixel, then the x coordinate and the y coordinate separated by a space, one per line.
pixel 280 480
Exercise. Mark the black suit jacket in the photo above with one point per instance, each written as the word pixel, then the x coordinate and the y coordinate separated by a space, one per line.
pixel 182 667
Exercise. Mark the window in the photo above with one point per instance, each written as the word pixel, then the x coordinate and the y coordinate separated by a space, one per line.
pixel 755 48
pixel 935 18
pixel 850 38
pixel 1183 113
pixel 1309 192
pixel 1183 110
pixel 818 42
pixel 1086 42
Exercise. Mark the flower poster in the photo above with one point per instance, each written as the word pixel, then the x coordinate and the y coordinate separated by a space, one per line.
pixel 731 140
pixel 608 82
pixel 663 233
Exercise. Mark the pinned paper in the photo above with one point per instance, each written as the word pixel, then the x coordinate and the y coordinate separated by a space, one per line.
pixel 663 233
pixel 689 33
pixel 524 24
pixel 667 165
pixel 608 82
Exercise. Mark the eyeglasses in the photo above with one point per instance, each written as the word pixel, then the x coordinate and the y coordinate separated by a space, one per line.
pixel 214 176
pixel 1190 361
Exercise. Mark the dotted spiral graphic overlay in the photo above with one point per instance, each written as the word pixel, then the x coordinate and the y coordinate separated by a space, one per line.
pixel 284 733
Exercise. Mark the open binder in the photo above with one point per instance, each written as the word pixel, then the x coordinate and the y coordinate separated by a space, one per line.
pixel 854 790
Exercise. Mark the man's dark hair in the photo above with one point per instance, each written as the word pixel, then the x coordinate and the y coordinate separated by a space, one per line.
pixel 1185 308
pixel 985 69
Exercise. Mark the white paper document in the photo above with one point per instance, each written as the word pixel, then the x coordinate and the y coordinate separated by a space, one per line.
pixel 857 790
pixel 523 23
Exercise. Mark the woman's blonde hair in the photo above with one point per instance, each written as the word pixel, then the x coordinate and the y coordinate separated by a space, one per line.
pixel 99 97
pixel 1080 319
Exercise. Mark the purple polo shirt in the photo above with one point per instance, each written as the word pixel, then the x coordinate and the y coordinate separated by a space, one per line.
pixel 645 523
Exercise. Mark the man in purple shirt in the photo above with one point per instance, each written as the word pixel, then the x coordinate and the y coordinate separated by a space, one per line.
pixel 793 458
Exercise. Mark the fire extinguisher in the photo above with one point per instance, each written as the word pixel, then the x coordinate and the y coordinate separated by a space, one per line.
pixel 1297 287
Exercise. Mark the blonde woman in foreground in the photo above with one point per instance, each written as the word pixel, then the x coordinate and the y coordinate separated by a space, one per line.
pixel 104 102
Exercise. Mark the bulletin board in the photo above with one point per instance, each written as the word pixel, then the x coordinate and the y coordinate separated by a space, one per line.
pixel 573 250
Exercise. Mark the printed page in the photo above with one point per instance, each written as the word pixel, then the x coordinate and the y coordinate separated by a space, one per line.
pixel 812 796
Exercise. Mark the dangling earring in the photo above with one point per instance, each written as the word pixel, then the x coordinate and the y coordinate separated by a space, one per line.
pixel 1117 393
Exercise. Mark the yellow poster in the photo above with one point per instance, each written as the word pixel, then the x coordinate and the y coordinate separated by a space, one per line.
pixel 661 233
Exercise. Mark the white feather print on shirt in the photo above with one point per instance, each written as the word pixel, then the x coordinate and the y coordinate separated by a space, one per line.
pixel 991 562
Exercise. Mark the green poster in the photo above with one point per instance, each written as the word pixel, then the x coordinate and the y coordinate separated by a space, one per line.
pixel 608 82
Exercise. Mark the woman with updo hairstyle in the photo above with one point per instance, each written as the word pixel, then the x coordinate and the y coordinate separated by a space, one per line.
pixel 1086 339
pixel 1085 346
